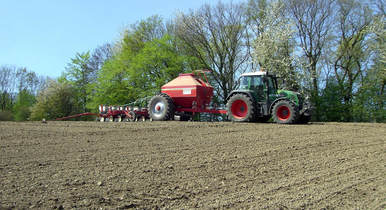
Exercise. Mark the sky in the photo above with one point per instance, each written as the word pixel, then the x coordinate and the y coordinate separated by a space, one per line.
pixel 43 35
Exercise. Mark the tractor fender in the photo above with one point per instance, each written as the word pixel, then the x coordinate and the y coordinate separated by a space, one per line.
pixel 277 100
pixel 248 93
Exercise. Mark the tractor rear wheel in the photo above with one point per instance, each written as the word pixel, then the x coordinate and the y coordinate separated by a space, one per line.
pixel 240 108
pixel 284 112
pixel 161 107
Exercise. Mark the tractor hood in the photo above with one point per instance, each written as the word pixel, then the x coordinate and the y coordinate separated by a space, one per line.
pixel 291 95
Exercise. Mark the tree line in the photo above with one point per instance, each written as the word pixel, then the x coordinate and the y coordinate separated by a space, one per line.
pixel 330 50
pixel 18 90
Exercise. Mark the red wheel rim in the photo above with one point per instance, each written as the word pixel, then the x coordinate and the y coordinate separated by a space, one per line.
pixel 283 113
pixel 239 109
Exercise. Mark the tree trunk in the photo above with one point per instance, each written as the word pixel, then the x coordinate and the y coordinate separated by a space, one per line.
pixel 315 92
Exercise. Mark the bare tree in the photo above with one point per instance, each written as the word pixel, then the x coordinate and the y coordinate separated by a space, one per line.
pixel 28 80
pixel 98 57
pixel 7 86
pixel 380 4
pixel 313 19
pixel 216 36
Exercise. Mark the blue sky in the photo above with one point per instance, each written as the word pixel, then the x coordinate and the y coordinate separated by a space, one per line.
pixel 43 35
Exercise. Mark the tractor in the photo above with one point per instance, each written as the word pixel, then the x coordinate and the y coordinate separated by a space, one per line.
pixel 258 99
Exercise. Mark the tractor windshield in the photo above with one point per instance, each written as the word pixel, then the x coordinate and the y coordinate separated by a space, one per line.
pixel 251 82
pixel 244 82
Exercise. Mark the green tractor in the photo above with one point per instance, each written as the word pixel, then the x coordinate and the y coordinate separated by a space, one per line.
pixel 258 99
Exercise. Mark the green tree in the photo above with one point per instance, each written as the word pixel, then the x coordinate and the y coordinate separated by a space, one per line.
pixel 23 105
pixel 331 102
pixel 79 75
pixel 113 84
pixel 354 19
pixel 6 100
pixel 18 86
pixel 369 103
pixel 145 59
pixel 56 100
pixel 157 63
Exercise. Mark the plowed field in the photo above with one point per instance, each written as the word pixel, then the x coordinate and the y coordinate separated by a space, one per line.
pixel 192 165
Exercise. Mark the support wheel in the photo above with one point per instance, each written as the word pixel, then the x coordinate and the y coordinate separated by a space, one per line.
pixel 118 118
pixel 131 117
pixel 284 112
pixel 240 108
pixel 161 107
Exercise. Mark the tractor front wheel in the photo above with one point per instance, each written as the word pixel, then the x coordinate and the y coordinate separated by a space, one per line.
pixel 161 108
pixel 240 108
pixel 284 112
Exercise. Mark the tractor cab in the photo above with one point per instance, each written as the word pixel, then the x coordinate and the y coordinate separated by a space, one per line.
pixel 259 84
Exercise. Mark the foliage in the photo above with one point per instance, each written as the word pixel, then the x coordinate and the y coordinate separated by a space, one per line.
pixel 78 75
pixel 158 58
pixel 332 50
pixel 57 100
pixel 331 102
pixel 6 101
pixel 6 116
pixel 18 88
pixel 147 57
pixel 313 21
pixel 23 105
pixel 273 46
pixel 351 55
pixel 7 87
pixel 369 104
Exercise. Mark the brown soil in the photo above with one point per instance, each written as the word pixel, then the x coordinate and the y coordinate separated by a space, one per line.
pixel 192 165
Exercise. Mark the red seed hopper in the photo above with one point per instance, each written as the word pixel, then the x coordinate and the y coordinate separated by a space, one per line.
pixel 185 95
pixel 189 91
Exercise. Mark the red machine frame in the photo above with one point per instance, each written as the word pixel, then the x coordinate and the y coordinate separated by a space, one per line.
pixel 199 104
pixel 107 112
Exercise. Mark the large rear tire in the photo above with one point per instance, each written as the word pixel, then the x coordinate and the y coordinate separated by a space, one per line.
pixel 284 112
pixel 240 108
pixel 161 107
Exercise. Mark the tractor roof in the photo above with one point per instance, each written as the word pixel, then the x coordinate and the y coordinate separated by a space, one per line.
pixel 256 73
